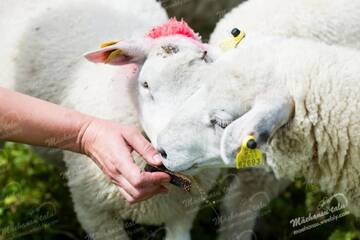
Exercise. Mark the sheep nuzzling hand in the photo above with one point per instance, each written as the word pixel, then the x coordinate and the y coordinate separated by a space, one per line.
pixel 146 86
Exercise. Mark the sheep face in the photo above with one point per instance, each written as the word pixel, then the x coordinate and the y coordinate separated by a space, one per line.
pixel 192 137
pixel 167 78
pixel 237 99
pixel 167 74
pixel 229 94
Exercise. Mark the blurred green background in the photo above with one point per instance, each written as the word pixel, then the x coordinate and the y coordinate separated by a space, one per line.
pixel 35 202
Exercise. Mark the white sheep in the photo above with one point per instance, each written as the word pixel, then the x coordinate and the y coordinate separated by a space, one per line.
pixel 153 115
pixel 173 96
pixel 167 72
pixel 123 96
pixel 332 34
pixel 320 86
pixel 310 86
pixel 90 188
pixel 332 22
pixel 45 59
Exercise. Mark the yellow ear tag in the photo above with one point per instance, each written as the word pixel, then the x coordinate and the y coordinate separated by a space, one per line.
pixel 248 157
pixel 114 54
pixel 109 43
pixel 233 42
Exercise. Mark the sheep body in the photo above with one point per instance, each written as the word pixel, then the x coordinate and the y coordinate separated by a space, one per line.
pixel 59 47
pixel 322 141
pixel 107 194
pixel 325 21
pixel 332 22
pixel 91 188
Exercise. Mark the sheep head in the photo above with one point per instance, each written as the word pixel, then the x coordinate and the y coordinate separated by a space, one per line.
pixel 168 60
pixel 236 100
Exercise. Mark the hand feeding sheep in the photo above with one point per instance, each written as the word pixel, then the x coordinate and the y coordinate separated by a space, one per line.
pixel 41 55
pixel 176 57
pixel 153 114
pixel 47 53
pixel 37 41
pixel 323 33
pixel 172 50
pixel 153 90
pixel 108 113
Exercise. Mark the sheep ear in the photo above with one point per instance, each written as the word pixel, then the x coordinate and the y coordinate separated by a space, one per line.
pixel 261 122
pixel 120 53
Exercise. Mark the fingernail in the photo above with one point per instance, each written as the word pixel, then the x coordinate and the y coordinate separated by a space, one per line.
pixel 157 159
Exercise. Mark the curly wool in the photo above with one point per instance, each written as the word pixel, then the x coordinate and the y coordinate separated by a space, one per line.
pixel 322 141
pixel 331 22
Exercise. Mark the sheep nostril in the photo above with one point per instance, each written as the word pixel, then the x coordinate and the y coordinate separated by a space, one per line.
pixel 162 153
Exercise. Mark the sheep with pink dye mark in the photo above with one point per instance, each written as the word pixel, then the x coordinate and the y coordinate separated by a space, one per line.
pixel 163 74
pixel 45 59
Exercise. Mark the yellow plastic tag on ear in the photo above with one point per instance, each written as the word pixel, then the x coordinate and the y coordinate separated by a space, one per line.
pixel 248 157
pixel 114 54
pixel 109 43
pixel 231 43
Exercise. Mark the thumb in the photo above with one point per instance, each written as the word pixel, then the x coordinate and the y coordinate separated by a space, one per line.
pixel 142 146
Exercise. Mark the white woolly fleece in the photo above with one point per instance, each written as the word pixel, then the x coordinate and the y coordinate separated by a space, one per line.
pixel 332 22
pixel 322 141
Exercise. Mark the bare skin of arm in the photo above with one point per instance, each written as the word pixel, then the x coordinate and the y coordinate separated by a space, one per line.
pixel 29 120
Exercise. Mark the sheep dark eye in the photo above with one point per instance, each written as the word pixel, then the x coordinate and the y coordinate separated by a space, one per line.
pixel 145 85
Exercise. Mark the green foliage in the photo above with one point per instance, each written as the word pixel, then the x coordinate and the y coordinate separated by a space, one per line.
pixel 34 199
pixel 344 235
pixel 300 200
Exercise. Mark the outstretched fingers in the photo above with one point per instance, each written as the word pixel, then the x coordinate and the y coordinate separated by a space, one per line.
pixel 142 146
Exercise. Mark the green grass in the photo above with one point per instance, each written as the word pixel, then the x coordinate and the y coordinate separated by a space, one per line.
pixel 34 200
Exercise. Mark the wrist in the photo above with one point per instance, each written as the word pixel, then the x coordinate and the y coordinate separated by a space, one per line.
pixel 84 136
pixel 81 123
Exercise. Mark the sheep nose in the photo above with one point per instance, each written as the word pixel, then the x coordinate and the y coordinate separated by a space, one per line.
pixel 162 153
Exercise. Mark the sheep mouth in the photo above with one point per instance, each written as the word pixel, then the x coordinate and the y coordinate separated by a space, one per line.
pixel 177 179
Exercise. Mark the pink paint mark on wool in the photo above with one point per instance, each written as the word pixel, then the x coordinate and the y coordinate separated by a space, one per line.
pixel 173 27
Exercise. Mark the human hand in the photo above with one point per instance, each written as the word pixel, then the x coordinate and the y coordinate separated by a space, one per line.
pixel 110 145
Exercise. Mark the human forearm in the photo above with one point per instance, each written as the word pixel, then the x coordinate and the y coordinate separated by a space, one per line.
pixel 32 121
